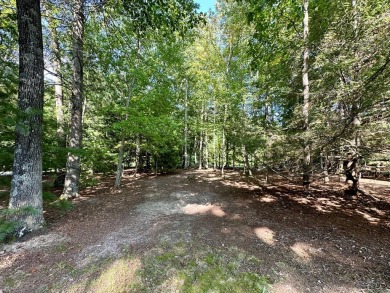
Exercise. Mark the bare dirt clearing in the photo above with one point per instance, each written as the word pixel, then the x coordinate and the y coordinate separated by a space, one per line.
pixel 302 242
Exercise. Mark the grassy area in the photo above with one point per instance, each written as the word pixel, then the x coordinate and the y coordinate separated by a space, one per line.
pixel 177 268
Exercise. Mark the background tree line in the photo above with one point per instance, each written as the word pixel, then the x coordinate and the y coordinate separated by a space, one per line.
pixel 294 86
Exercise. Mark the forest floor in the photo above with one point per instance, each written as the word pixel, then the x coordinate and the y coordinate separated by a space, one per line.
pixel 193 232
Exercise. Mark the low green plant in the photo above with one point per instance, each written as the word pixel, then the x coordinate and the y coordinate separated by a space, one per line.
pixel 49 196
pixel 9 282
pixel 88 181
pixel 62 205
pixel 7 227
pixel 7 230
pixel 5 181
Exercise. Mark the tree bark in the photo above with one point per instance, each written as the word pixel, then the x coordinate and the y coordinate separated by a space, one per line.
pixel 224 142
pixel 355 107
pixel 185 157
pixel 247 170
pixel 206 150
pixel 214 138
pixel 201 137
pixel 138 155
pixel 306 99
pixel 26 185
pixel 119 171
pixel 224 147
pixel 73 168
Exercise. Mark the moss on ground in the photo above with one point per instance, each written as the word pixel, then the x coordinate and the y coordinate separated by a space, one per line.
pixel 177 268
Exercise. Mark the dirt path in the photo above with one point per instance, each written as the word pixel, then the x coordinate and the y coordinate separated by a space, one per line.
pixel 317 242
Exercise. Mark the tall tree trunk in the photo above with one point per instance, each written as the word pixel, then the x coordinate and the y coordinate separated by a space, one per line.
pixel 214 138
pixel 306 99
pixel 206 150
pixel 200 151
pixel 247 170
pixel 195 149
pixel 119 171
pixel 234 156
pixel 355 108
pixel 148 165
pixel 26 185
pixel 138 155
pixel 324 166
pixel 224 145
pixel 185 165
pixel 73 168
pixel 201 137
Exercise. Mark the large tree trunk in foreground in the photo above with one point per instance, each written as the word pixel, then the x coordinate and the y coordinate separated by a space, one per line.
pixel 26 186
pixel 73 168
pixel 306 100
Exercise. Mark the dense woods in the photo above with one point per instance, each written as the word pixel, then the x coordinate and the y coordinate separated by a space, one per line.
pixel 301 88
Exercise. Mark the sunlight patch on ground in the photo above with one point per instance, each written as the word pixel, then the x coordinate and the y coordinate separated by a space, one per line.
pixel 328 202
pixel 302 250
pixel 321 208
pixel 284 288
pixel 120 276
pixel 241 184
pixel 376 210
pixel 268 199
pixel 213 177
pixel 368 217
pixel 266 235
pixel 302 200
pixel 8 260
pixel 236 217
pixel 173 284
pixel 193 209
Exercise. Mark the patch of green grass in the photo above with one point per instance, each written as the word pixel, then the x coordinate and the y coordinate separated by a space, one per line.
pixel 62 205
pixel 48 196
pixel 175 268
pixel 9 282
pixel 7 230
pixel 7 227
pixel 46 185
pixel 64 266
pixel 61 248
pixel 5 181
pixel 119 276
pixel 202 270
pixel 88 181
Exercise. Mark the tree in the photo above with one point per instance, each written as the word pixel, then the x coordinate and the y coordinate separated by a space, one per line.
pixel 26 186
pixel 8 82
pixel 56 74
pixel 73 167
pixel 306 97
